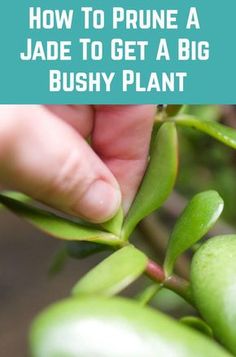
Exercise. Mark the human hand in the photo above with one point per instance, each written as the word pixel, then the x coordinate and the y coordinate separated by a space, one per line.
pixel 43 153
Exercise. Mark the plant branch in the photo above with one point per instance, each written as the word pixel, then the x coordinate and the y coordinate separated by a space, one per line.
pixel 155 272
pixel 181 287
pixel 175 283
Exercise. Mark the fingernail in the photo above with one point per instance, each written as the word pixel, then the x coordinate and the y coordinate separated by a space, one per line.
pixel 99 203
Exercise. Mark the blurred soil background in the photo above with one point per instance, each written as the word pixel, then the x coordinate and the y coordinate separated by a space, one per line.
pixel 26 286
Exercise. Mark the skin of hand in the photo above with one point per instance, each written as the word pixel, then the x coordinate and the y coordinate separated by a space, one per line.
pixel 44 153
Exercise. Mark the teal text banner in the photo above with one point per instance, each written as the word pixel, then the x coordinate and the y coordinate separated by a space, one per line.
pixel 118 52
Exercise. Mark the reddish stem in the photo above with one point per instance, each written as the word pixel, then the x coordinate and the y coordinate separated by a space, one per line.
pixel 173 282
pixel 155 272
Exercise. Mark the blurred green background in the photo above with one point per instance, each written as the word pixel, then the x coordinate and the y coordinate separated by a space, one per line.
pixel 26 254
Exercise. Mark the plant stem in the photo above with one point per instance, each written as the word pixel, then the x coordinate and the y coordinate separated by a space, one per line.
pixel 155 272
pixel 179 285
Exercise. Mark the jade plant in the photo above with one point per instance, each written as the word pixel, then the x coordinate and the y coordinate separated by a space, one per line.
pixel 93 320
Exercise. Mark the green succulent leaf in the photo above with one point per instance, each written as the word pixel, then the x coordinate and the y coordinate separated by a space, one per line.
pixel 56 226
pixel 81 250
pixel 218 131
pixel 158 180
pixel 114 225
pixel 214 287
pixel 98 326
pixel 16 195
pixel 197 324
pixel 113 274
pixel 197 219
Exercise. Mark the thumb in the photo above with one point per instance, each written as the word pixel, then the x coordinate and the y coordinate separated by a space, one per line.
pixel 47 159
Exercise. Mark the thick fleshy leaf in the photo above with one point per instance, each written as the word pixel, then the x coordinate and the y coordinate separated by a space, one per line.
pixel 56 226
pixel 114 225
pixel 159 178
pixel 114 327
pixel 218 131
pixel 113 274
pixel 16 195
pixel 81 250
pixel 214 287
pixel 198 217
pixel 197 324
pixel 155 128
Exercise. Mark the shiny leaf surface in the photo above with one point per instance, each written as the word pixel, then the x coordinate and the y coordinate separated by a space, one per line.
pixel 214 287
pixel 56 226
pixel 159 178
pixel 114 327
pixel 113 274
pixel 197 219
